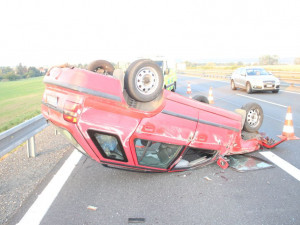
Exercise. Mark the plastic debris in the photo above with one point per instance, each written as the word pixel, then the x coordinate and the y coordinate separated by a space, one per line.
pixel 92 207
pixel 207 178
pixel 243 163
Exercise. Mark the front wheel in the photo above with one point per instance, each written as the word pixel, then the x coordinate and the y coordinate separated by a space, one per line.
pixel 254 117
pixel 275 91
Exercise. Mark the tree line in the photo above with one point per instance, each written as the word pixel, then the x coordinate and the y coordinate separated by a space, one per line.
pixel 20 72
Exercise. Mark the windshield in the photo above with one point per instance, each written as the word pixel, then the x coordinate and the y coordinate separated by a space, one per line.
pixel 160 64
pixel 257 71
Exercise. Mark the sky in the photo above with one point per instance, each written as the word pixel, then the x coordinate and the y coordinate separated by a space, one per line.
pixel 52 32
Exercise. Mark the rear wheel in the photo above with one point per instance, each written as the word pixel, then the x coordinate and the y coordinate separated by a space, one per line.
pixel 102 67
pixel 201 98
pixel 233 87
pixel 254 117
pixel 248 88
pixel 143 80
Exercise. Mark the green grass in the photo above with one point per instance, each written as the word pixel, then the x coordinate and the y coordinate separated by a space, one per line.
pixel 20 101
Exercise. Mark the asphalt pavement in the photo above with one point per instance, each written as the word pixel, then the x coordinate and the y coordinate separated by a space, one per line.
pixel 22 177
pixel 94 194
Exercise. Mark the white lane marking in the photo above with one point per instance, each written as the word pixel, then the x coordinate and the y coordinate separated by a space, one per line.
pixel 41 205
pixel 262 100
pixel 297 93
pixel 290 169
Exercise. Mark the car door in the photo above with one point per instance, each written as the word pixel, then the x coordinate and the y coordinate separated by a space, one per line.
pixel 159 140
pixel 236 77
pixel 243 78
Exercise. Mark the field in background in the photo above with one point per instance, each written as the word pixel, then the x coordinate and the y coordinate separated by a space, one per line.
pixel 287 73
pixel 19 101
pixel 287 68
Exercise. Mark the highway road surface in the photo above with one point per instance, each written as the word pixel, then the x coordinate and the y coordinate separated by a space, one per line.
pixel 85 192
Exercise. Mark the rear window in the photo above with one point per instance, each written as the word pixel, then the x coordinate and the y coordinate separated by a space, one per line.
pixel 160 64
pixel 108 145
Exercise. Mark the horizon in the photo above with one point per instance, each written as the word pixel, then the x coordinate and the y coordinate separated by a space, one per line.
pixel 225 61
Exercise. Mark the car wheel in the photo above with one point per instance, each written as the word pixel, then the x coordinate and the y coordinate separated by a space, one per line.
pixel 143 80
pixel 275 91
pixel 233 87
pixel 102 67
pixel 174 87
pixel 201 98
pixel 248 88
pixel 254 117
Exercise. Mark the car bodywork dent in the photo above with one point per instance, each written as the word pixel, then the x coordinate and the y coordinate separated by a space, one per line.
pixel 179 133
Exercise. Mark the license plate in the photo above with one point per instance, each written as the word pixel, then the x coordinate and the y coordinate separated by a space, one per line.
pixel 269 85
pixel 52 100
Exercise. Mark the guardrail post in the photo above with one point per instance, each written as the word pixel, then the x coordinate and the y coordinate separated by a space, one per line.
pixel 31 147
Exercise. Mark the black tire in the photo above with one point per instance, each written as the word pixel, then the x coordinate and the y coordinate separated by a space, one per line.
pixel 201 98
pixel 143 80
pixel 248 88
pixel 233 87
pixel 106 67
pixel 174 87
pixel 275 91
pixel 254 117
pixel 130 68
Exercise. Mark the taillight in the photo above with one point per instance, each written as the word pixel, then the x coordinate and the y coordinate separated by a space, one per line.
pixel 71 111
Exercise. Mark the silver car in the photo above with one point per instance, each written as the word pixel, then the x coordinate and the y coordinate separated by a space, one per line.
pixel 254 79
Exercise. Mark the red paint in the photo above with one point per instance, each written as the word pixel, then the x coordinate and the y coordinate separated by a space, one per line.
pixel 190 124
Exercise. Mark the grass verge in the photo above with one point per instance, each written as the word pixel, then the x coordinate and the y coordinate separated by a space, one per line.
pixel 19 101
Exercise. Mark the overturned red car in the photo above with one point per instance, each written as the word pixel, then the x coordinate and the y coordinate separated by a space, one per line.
pixel 127 120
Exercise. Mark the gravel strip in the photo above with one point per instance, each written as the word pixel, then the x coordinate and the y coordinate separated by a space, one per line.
pixel 20 175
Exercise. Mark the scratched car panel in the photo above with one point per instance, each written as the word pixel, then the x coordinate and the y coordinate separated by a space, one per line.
pixel 116 119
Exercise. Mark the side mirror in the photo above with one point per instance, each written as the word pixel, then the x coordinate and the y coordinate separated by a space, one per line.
pixel 167 71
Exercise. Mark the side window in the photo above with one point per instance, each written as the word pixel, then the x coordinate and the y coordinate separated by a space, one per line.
pixel 108 145
pixel 237 72
pixel 155 154
pixel 251 72
pixel 243 72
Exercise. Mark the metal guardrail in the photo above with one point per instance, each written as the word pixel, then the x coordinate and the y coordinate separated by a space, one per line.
pixel 226 74
pixel 17 135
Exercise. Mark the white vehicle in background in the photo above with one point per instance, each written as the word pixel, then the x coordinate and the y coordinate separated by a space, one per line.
pixel 254 79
